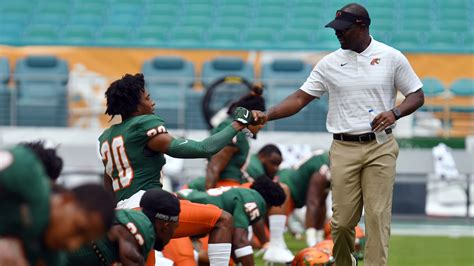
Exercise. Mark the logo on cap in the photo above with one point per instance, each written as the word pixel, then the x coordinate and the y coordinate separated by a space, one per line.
pixel 338 13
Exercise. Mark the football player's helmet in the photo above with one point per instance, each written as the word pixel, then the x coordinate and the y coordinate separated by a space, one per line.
pixel 319 255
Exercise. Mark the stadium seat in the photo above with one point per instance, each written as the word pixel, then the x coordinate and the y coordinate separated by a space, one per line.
pixel 186 37
pixel 223 38
pixel 258 38
pixel 90 20
pixel 435 98
pixel 40 34
pixel 4 92
pixel 194 118
pixel 41 91
pixel 166 20
pixel 325 39
pixel 233 21
pixel 296 39
pixel 169 71
pixel 167 78
pixel 77 35
pixel 224 66
pixel 406 40
pixel 154 36
pixel 462 107
pixel 285 74
pixel 200 21
pixel 442 41
pixel 114 36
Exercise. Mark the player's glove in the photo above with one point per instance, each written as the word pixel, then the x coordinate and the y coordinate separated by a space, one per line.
pixel 242 115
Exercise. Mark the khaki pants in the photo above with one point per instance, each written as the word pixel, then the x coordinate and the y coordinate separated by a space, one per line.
pixel 362 175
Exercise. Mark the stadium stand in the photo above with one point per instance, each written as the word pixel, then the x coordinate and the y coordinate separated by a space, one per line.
pixel 462 107
pixel 167 79
pixel 41 94
pixel 223 66
pixel 5 97
pixel 258 22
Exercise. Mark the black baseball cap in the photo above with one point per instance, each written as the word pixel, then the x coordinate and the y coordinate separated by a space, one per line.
pixel 159 204
pixel 344 20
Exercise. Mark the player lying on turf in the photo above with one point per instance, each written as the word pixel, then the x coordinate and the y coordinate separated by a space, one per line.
pixel 134 233
pixel 133 156
pixel 39 223
pixel 247 206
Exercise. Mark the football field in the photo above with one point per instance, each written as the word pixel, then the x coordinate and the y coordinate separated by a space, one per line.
pixel 417 250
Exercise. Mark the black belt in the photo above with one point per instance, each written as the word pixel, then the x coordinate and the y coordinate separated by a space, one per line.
pixel 366 137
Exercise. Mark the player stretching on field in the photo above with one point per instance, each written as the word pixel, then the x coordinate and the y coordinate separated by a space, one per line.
pixel 133 156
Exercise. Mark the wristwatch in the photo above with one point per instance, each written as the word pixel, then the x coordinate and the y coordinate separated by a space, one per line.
pixel 396 113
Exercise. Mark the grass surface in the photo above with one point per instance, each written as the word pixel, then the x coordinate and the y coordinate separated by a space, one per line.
pixel 416 251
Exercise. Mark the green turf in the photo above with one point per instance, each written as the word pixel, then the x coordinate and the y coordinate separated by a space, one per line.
pixel 417 250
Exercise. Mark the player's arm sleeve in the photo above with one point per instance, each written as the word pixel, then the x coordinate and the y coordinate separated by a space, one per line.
pixel 315 84
pixel 406 80
pixel 187 148
pixel 241 220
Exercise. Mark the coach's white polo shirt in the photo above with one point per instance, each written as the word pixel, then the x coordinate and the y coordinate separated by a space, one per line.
pixel 359 82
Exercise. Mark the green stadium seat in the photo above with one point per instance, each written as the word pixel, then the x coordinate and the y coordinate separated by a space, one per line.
pixel 415 13
pixel 305 10
pixel 41 88
pixel 92 20
pixel 54 7
pixel 23 7
pixel 305 23
pixel 326 39
pixel 199 21
pixel 270 22
pixel 259 38
pixel 383 12
pixel 162 9
pixel 198 9
pixel 454 14
pixel 50 18
pixel 223 38
pixel 457 4
pixel 272 12
pixel 159 20
pixel 122 20
pixel 91 9
pixel 219 67
pixel 294 38
pixel 381 24
pixel 406 40
pixel 10 33
pixel 417 24
pixel 152 35
pixel 194 118
pixel 187 37
pixel 5 93
pixel 234 11
pixel 468 42
pixel 233 21
pixel 114 35
pixel 167 79
pixel 41 34
pixel 432 87
pixel 77 35
pixel 410 4
pixel 442 41
pixel 463 87
pixel 457 25
pixel 284 74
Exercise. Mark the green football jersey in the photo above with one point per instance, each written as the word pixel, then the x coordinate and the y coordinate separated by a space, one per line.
pixel 255 167
pixel 127 158
pixel 24 194
pixel 233 170
pixel 246 205
pixel 297 179
pixel 106 252
pixel 198 184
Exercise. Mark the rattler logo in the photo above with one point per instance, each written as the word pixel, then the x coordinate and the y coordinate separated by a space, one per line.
pixel 375 61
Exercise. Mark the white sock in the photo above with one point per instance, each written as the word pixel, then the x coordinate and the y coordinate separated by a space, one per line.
pixel 219 254
pixel 314 236
pixel 277 228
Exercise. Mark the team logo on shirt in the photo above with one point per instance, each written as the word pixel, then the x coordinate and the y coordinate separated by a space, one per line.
pixel 375 61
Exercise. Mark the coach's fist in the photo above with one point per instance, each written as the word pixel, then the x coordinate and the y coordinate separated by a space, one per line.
pixel 242 115
pixel 259 117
